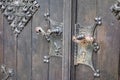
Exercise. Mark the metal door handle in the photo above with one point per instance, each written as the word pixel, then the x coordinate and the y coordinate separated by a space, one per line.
pixel 86 44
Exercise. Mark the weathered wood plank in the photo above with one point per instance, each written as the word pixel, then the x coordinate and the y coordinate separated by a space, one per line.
pixel 9 48
pixel 86 12
pixel 1 42
pixel 40 46
pixel 108 37
pixel 73 22
pixel 24 54
pixel 55 65
pixel 66 60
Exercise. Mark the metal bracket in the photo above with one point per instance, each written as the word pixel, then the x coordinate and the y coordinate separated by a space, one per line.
pixel 53 35
pixel 18 12
pixel 115 9
pixel 8 72
pixel 86 44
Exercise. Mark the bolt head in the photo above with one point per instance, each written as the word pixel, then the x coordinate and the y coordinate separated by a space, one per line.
pixel 95 44
pixel 11 72
pixel 96 74
pixel 99 23
pixel 46 15
pixel 98 71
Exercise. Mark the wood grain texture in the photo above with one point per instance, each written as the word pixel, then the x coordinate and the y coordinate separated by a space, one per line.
pixel 1 42
pixel 40 47
pixel 108 37
pixel 66 60
pixel 9 48
pixel 73 22
pixel 27 60
pixel 56 14
pixel 86 12
pixel 24 52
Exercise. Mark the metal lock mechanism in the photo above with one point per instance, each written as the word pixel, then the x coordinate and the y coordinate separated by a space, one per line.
pixel 18 13
pixel 54 36
pixel 8 72
pixel 115 9
pixel 86 45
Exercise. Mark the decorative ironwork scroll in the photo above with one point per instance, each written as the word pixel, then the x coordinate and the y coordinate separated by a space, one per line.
pixel 18 12
pixel 115 9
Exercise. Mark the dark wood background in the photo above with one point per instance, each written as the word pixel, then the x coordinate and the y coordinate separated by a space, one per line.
pixel 25 54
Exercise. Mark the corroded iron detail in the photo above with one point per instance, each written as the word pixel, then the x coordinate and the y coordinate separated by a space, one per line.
pixel 18 12
pixel 86 44
pixel 53 35
pixel 115 9
pixel 7 72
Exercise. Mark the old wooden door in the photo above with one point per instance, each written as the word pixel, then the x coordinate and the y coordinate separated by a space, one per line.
pixel 28 54
pixel 107 58
pixel 25 53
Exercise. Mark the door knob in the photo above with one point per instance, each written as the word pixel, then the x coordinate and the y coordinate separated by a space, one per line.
pixel 86 44
pixel 53 35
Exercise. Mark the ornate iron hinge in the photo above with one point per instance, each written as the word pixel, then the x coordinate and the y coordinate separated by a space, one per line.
pixel 86 44
pixel 54 36
pixel 7 72
pixel 18 12
pixel 115 9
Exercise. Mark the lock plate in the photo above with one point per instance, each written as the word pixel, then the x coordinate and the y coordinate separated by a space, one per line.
pixel 53 35
pixel 86 45
pixel 18 12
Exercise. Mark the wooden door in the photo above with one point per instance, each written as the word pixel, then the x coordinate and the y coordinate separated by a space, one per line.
pixel 26 53
pixel 107 58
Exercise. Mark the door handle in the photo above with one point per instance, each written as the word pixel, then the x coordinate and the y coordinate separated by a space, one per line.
pixel 86 44
pixel 53 35
pixel 8 72
pixel 115 9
